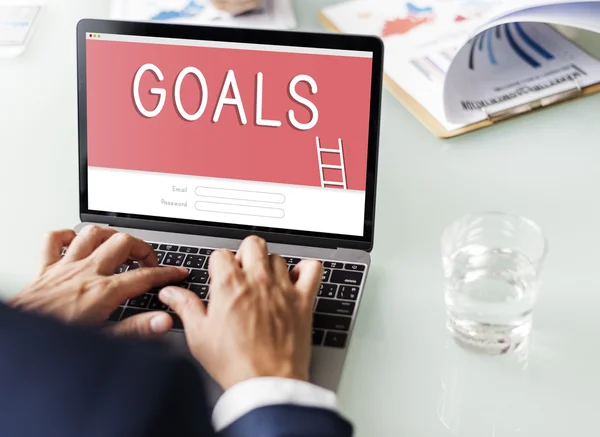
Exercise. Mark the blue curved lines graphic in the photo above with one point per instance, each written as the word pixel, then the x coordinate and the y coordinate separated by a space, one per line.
pixel 536 50
pixel 518 50
pixel 531 43
pixel 472 54
pixel 490 49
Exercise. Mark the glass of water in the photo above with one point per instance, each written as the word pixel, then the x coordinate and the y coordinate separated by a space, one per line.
pixel 492 264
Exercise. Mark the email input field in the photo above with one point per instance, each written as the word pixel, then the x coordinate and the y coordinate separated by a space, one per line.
pixel 231 194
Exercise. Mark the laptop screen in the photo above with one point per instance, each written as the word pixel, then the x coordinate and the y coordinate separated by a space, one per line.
pixel 245 134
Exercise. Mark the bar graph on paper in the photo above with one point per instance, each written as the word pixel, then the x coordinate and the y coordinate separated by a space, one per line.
pixel 434 65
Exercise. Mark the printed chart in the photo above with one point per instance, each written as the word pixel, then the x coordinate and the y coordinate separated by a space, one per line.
pixel 273 14
pixel 520 44
pixel 191 9
pixel 165 10
pixel 434 66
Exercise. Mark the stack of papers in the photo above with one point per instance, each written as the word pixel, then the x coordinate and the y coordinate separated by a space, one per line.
pixel 272 14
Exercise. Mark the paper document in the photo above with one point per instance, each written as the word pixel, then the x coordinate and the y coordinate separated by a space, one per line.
pixel 457 57
pixel 272 14
pixel 16 23
pixel 510 65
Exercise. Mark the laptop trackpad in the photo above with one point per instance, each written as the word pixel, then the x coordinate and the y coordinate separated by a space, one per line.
pixel 326 367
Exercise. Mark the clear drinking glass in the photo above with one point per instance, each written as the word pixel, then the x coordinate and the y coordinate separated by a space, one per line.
pixel 492 263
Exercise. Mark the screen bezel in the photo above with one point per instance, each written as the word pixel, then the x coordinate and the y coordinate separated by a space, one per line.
pixel 270 37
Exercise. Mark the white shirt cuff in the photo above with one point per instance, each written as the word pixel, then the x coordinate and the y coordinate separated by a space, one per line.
pixel 255 393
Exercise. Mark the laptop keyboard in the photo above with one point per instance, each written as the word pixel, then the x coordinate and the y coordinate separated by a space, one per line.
pixel 334 308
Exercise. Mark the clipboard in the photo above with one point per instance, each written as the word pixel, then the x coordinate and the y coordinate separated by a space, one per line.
pixel 492 117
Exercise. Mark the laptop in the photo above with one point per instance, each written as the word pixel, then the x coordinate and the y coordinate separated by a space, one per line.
pixel 193 138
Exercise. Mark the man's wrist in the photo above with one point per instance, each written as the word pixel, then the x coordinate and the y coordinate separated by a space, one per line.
pixel 278 372
pixel 254 393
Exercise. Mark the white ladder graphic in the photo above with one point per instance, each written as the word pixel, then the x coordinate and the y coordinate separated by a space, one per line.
pixel 340 167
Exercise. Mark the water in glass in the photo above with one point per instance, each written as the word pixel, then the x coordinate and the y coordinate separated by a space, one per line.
pixel 490 293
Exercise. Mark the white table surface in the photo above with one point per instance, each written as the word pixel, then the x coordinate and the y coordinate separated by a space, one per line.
pixel 403 376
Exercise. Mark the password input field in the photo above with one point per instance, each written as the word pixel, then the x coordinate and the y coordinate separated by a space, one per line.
pixel 229 208
pixel 230 194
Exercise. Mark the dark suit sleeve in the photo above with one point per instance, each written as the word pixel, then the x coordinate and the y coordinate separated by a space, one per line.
pixel 59 381
pixel 289 421
pixel 62 381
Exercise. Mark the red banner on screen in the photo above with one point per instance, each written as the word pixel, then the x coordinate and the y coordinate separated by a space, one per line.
pixel 304 97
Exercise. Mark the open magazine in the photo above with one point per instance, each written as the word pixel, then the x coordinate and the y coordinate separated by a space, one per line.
pixel 463 60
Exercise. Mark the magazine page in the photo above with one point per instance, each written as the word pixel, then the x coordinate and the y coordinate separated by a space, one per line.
pixel 421 38
pixel 581 14
pixel 511 65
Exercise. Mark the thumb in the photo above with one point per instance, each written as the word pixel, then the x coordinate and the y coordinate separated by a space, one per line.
pixel 186 304
pixel 146 325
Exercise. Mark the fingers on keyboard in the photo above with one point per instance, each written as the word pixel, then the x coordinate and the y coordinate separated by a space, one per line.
pixel 334 309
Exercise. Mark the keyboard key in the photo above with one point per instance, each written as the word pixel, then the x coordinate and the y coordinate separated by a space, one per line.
pixel 116 315
pixel 335 339
pixel 157 305
pixel 326 275
pixel 154 245
pixel 169 247
pixel 325 321
pixel 335 307
pixel 291 266
pixel 173 259
pixel 121 269
pixel 198 276
pixel 194 261
pixel 200 290
pixel 177 323
pixel 291 260
pixel 355 267
pixel 207 251
pixel 160 256
pixel 317 337
pixel 333 265
pixel 130 312
pixel 349 293
pixel 134 265
pixel 188 249
pixel 327 290
pixel 140 301
pixel 346 277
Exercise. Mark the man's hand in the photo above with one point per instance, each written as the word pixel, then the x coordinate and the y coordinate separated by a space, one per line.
pixel 259 321
pixel 236 6
pixel 81 286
